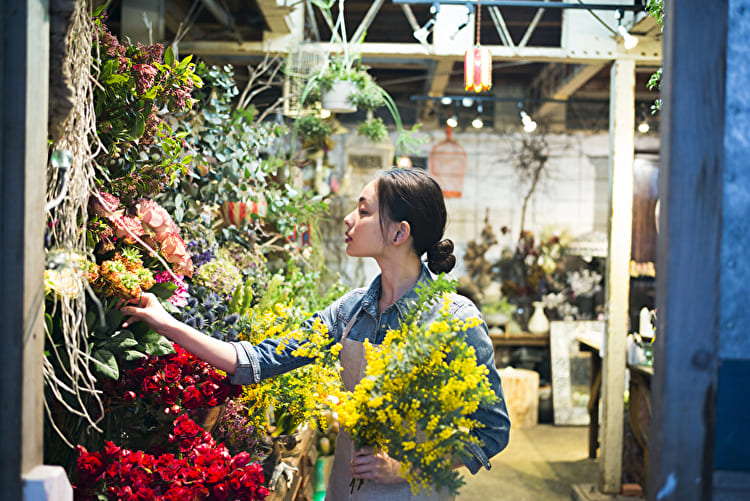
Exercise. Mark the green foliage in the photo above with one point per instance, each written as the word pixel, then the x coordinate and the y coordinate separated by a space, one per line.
pixel 142 152
pixel 656 10
pixel 373 129
pixel 314 132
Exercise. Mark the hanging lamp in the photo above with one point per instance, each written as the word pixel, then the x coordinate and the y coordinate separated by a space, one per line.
pixel 478 62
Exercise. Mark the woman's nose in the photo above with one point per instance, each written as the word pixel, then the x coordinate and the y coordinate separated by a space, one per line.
pixel 349 219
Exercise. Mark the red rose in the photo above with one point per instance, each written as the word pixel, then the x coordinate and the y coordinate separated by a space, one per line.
pixel 111 450
pixel 186 427
pixel 261 492
pixel 170 394
pixel 152 384
pixel 240 460
pixel 89 466
pixel 222 491
pixel 216 472
pixel 129 396
pixel 172 373
pixel 192 398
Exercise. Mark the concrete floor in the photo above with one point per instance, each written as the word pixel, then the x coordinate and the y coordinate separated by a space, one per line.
pixel 541 463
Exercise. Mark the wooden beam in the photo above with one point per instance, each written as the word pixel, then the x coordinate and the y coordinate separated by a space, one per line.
pixel 688 291
pixel 275 16
pixel 621 131
pixel 583 74
pixel 438 81
pixel 175 18
pixel 24 72
pixel 412 50
pixel 366 21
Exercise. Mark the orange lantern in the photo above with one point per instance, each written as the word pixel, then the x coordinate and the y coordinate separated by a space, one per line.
pixel 236 213
pixel 478 69
pixel 478 62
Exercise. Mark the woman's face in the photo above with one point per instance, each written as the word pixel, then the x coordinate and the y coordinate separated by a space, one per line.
pixel 364 237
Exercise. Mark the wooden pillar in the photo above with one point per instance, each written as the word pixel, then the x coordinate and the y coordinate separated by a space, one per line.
pixel 24 32
pixel 621 130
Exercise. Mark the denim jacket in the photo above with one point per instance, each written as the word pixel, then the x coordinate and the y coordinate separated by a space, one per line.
pixel 256 362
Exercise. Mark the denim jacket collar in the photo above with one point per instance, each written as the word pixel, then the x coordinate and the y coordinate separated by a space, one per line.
pixel 403 304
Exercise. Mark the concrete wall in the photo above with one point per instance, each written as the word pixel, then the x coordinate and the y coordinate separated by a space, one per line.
pixel 573 195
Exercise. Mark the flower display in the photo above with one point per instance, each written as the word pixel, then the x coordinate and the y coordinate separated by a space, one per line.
pixel 420 388
pixel 198 469
pixel 124 276
pixel 170 383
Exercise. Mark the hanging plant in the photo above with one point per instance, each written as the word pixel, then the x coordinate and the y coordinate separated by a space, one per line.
pixel 373 129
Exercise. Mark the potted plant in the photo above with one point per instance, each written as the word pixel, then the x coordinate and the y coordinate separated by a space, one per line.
pixel 344 83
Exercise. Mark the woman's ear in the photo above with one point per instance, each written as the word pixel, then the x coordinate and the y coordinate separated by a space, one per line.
pixel 403 232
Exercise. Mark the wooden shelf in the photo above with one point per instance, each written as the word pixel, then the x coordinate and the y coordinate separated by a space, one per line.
pixel 500 338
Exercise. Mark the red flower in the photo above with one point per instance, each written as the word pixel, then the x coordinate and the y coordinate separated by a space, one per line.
pixel 89 466
pixel 192 398
pixel 222 491
pixel 170 395
pixel 172 373
pixel 186 427
pixel 216 472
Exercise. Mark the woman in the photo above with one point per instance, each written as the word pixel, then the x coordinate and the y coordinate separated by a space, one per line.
pixel 399 217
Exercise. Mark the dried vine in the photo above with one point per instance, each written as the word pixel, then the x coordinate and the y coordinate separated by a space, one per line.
pixel 67 373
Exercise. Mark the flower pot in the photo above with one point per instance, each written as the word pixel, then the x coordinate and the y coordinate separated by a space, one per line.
pixel 337 98
pixel 207 417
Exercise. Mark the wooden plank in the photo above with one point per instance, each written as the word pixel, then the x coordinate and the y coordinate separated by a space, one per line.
pixel 622 125
pixel 688 263
pixel 24 73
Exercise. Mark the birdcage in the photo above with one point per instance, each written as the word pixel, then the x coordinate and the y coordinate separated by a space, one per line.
pixel 364 159
pixel 302 64
pixel 448 165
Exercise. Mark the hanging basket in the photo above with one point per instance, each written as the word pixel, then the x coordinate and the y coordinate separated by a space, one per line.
pixel 448 165
pixel 336 100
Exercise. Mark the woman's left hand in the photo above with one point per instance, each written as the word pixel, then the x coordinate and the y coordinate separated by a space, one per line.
pixel 377 466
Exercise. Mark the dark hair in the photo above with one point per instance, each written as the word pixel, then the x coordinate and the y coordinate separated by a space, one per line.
pixel 415 197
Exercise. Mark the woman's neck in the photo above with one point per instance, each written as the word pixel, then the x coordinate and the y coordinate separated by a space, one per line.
pixel 397 279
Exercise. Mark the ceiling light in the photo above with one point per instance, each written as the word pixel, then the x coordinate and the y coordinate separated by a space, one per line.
pixel 446 100
pixel 477 123
pixel 422 33
pixel 643 127
pixel 467 102
pixel 452 122
pixel 529 125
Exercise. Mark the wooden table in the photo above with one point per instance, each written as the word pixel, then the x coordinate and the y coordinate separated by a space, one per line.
pixel 501 338
pixel 593 346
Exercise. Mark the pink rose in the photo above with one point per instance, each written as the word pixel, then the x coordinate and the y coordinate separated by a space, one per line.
pixel 126 227
pixel 157 219
pixel 105 205
pixel 176 253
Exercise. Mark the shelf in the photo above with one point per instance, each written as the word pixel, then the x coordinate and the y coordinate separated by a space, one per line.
pixel 500 338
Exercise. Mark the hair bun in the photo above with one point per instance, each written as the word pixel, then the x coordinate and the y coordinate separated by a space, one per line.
pixel 440 258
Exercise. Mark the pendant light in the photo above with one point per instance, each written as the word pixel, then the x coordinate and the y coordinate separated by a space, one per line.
pixel 478 62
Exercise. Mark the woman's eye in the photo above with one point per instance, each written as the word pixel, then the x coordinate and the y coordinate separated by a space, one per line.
pixel 362 212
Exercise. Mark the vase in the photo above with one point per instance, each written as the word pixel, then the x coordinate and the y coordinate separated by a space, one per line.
pixel 337 98
pixel 538 323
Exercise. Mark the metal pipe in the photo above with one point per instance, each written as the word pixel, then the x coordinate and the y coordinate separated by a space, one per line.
pixel 532 4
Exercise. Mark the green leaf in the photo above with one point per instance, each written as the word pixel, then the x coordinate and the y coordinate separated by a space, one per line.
pixel 132 355
pixel 105 364
pixel 140 126
pixel 161 347
pixel 169 56
pixel 163 290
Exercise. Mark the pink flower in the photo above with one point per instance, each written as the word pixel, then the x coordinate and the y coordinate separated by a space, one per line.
pixel 179 298
pixel 175 251
pixel 157 219
pixel 106 205
pixel 126 227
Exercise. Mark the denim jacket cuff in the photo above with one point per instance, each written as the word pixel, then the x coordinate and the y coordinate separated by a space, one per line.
pixel 477 459
pixel 248 367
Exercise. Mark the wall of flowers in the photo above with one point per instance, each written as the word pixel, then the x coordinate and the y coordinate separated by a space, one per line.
pixel 172 190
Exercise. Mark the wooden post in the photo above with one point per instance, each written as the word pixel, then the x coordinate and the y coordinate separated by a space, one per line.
pixel 699 431
pixel 621 130
pixel 24 56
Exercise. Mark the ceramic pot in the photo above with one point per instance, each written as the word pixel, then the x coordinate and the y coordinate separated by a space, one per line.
pixel 538 323
pixel 337 99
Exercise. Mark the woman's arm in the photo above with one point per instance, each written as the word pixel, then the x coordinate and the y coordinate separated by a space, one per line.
pixel 147 308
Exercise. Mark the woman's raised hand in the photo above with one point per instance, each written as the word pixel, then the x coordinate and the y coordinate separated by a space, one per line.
pixel 147 309
pixel 376 465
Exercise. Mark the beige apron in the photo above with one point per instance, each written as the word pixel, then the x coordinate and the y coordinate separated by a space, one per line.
pixel 353 363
